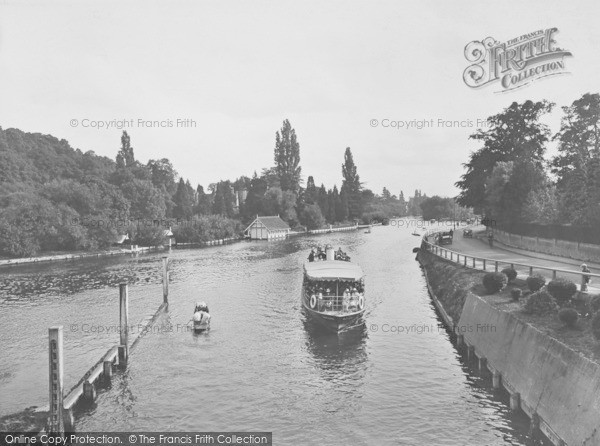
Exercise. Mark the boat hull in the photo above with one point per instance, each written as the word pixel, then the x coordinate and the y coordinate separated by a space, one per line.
pixel 200 327
pixel 334 322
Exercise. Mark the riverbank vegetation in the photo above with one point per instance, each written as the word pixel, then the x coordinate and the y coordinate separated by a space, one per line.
pixel 54 198
pixel 513 180
pixel 549 309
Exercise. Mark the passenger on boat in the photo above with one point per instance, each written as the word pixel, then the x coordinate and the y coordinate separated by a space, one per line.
pixel 346 300
pixel 353 298
pixel 328 300
pixel 320 299
pixel 322 254
pixel 311 256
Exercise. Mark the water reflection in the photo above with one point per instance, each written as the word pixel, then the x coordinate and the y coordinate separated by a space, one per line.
pixel 341 357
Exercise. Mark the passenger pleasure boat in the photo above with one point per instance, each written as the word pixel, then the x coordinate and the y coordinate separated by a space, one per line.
pixel 333 292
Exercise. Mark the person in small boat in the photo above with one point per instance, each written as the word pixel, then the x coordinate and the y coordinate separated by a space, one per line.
pixel 311 256
pixel 201 314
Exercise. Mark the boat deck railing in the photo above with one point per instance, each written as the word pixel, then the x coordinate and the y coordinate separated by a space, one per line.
pixel 335 304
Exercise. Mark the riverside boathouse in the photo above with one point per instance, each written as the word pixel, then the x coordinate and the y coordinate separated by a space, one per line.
pixel 267 228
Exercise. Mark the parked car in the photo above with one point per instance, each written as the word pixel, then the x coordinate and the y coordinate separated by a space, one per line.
pixel 468 233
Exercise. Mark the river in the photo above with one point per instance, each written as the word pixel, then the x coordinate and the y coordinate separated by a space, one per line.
pixel 263 366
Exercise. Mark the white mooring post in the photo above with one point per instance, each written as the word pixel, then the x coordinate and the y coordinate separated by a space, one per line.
pixel 55 369
pixel 165 279
pixel 124 323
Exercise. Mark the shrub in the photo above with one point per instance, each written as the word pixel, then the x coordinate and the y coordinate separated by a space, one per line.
pixel 595 303
pixel 568 316
pixel 511 273
pixel 561 289
pixel 516 293
pixel 535 282
pixel 596 326
pixel 540 302
pixel 494 282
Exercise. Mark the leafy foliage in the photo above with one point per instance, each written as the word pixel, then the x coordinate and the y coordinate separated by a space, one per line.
pixel 494 282
pixel 568 316
pixel 595 326
pixel 561 289
pixel 510 273
pixel 539 303
pixel 535 282
pixel 594 303
pixel 514 135
pixel 287 158
pixel 516 293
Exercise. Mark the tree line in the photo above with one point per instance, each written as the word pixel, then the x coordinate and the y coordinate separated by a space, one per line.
pixel 56 198
pixel 512 179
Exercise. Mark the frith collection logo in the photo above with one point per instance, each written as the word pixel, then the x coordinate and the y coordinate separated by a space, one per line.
pixel 516 62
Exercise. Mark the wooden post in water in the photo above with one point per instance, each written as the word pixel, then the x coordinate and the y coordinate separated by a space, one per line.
pixel 553 274
pixel 496 266
pixel 107 371
pixel 482 365
pixel 531 270
pixel 165 279
pixel 55 381
pixel 473 262
pixel 496 379
pixel 89 391
pixel 460 340
pixel 470 353
pixel 515 401
pixel 483 264
pixel 124 324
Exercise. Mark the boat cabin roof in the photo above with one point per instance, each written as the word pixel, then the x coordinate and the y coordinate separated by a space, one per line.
pixel 333 270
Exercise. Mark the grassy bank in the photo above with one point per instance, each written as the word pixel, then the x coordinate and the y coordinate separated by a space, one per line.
pixel 451 283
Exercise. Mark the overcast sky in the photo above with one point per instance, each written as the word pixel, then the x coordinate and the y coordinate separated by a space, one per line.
pixel 238 69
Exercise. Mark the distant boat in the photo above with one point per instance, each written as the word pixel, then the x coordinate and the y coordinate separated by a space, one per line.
pixel 333 293
pixel 368 231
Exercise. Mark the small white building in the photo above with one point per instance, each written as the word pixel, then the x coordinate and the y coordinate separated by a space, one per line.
pixel 267 228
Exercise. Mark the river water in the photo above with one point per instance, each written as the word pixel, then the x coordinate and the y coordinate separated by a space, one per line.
pixel 263 366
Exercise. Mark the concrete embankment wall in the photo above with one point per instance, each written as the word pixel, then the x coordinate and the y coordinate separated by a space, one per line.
pixel 573 250
pixel 556 385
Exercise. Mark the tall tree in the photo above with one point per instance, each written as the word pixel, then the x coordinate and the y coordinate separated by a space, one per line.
pixel 323 201
pixel 578 159
pixel 351 185
pixel 223 199
pixel 287 158
pixel 310 193
pixel 163 174
pixel 184 200
pixel 515 134
pixel 125 156
pixel 203 203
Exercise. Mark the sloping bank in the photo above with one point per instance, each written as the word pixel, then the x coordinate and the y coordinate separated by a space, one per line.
pixel 556 386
